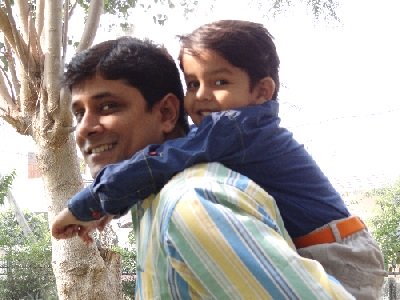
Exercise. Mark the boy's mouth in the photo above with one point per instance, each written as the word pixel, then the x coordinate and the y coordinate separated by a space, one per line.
pixel 204 113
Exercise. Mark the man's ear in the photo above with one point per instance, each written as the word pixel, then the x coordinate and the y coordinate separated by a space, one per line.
pixel 264 90
pixel 169 112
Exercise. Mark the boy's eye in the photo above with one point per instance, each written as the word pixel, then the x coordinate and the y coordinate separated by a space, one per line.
pixel 78 115
pixel 221 82
pixel 192 85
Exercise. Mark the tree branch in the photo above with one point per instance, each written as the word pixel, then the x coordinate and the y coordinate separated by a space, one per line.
pixel 39 20
pixel 22 8
pixel 18 123
pixel 5 28
pixel 65 110
pixel 72 8
pixel 12 70
pixel 92 22
pixel 4 91
pixel 33 41
pixel 52 70
pixel 16 42
pixel 65 97
pixel 65 31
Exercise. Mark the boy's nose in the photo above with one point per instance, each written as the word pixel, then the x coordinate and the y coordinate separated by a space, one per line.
pixel 203 94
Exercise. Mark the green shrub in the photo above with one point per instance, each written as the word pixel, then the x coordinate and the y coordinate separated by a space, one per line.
pixel 128 262
pixel 385 223
pixel 26 271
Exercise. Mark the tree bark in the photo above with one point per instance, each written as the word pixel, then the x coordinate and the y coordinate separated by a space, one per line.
pixel 82 272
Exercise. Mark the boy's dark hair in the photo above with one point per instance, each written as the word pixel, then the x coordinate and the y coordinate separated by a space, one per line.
pixel 140 63
pixel 246 45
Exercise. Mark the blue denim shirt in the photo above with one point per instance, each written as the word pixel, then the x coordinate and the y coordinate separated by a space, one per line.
pixel 248 140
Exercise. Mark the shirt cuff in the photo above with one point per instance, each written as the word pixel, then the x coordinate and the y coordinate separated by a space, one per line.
pixel 85 206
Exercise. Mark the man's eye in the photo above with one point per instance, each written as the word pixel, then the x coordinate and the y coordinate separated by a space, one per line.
pixel 221 82
pixel 108 106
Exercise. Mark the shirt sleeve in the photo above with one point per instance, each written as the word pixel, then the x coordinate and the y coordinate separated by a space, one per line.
pixel 223 254
pixel 85 206
pixel 218 139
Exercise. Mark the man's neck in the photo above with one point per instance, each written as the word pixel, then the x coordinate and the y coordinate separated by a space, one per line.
pixel 176 133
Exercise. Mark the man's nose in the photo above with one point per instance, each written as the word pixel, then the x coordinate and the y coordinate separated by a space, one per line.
pixel 90 124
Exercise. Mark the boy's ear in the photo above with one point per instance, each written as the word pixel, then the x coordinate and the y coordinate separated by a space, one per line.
pixel 169 112
pixel 264 89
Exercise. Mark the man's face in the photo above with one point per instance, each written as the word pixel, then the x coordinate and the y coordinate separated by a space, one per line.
pixel 213 84
pixel 113 121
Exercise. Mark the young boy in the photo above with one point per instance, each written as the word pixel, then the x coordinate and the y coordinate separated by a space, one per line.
pixel 231 71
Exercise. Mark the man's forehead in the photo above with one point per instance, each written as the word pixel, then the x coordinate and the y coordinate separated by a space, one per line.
pixel 83 95
pixel 95 88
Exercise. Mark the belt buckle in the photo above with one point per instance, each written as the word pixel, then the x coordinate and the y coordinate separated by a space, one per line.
pixel 335 231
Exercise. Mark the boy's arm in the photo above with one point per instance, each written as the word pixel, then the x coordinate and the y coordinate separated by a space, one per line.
pixel 119 186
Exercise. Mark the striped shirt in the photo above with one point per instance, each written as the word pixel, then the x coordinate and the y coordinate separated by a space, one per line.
pixel 212 233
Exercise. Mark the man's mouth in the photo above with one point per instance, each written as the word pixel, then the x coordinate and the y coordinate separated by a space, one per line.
pixel 100 149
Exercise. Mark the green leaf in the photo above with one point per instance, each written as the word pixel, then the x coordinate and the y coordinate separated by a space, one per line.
pixel 5 185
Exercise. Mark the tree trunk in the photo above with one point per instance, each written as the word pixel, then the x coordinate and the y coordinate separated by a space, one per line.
pixel 82 272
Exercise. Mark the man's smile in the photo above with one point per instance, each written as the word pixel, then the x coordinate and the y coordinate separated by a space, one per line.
pixel 99 149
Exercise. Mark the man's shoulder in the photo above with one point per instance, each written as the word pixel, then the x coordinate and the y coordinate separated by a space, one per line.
pixel 213 182
pixel 211 188
pixel 208 172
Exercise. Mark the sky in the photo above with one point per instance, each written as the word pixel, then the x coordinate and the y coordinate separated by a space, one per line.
pixel 339 93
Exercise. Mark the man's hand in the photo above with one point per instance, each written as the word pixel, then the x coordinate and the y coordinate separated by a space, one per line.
pixel 65 226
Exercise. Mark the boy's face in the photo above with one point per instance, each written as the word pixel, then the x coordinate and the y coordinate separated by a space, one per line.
pixel 113 121
pixel 213 84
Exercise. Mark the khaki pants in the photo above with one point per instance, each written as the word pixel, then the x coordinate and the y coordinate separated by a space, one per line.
pixel 356 261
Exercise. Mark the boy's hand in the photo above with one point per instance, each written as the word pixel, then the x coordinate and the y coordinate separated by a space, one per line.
pixel 85 228
pixel 65 226
pixel 104 221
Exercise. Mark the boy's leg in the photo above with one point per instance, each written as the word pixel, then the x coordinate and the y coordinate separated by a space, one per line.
pixel 356 261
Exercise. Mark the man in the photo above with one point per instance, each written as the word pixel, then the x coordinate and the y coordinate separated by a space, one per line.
pixel 210 233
